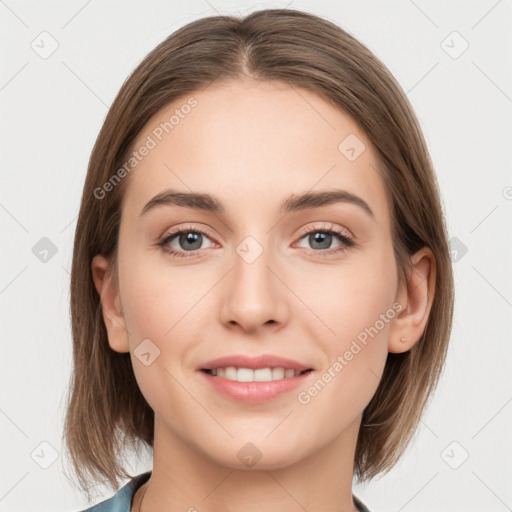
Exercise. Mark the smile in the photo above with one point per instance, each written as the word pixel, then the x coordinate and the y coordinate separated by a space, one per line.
pixel 251 390
pixel 250 375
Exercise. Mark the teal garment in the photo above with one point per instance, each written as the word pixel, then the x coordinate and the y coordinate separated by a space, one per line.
pixel 122 500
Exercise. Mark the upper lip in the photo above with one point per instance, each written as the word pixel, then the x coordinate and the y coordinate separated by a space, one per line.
pixel 262 361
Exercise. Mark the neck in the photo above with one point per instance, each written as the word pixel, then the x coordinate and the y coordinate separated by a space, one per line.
pixel 184 478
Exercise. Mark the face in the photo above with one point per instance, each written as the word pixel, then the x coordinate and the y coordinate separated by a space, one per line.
pixel 256 270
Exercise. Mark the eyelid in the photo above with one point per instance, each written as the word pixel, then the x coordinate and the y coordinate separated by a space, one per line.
pixel 178 229
pixel 302 232
pixel 326 226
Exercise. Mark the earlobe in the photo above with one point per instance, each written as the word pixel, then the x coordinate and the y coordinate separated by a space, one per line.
pixel 416 297
pixel 113 317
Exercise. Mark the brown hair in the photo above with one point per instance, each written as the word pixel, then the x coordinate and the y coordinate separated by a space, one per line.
pixel 106 411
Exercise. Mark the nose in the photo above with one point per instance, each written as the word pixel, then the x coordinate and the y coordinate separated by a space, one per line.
pixel 253 295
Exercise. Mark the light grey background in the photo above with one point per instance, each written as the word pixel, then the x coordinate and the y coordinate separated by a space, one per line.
pixel 51 111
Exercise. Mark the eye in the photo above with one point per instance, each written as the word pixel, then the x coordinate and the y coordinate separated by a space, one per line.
pixel 322 238
pixel 185 240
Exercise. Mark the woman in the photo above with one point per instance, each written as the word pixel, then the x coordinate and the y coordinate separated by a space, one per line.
pixel 261 288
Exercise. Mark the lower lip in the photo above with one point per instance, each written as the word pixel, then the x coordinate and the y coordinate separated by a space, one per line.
pixel 255 392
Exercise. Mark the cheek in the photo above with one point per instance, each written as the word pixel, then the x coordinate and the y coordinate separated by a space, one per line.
pixel 350 298
pixel 354 304
pixel 157 300
pixel 156 309
pixel 359 313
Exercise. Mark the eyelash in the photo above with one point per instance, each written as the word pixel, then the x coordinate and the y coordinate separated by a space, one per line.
pixel 346 241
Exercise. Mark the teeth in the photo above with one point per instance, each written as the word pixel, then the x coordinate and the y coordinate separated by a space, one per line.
pixel 249 375
pixel 278 373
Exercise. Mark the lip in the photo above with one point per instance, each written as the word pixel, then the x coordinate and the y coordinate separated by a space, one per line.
pixel 254 363
pixel 254 392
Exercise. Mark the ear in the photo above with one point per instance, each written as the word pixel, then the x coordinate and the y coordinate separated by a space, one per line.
pixel 107 288
pixel 416 297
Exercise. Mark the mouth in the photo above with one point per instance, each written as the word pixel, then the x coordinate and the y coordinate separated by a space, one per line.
pixel 257 386
pixel 254 379
pixel 267 374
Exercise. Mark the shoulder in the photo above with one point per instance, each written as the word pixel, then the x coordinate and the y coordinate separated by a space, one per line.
pixel 122 499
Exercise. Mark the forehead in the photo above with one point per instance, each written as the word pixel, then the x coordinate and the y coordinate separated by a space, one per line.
pixel 260 141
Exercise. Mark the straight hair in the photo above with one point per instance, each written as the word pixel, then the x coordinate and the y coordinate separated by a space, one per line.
pixel 106 411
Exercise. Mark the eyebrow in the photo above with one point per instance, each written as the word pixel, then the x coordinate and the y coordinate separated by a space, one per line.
pixel 295 202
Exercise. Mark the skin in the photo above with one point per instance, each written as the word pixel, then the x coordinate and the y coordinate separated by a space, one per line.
pixel 252 144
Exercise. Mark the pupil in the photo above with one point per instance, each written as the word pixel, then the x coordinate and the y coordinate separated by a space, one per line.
pixel 191 240
pixel 324 239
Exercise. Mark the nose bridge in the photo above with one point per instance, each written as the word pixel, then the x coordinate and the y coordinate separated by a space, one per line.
pixel 252 278
pixel 252 295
